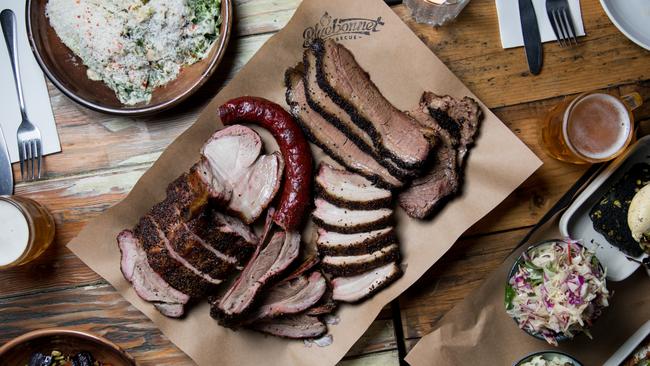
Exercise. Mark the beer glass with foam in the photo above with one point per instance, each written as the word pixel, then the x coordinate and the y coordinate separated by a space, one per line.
pixel 591 128
pixel 26 230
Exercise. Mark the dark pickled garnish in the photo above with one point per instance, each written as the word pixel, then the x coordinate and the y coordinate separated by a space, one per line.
pixel 83 359
pixel 39 359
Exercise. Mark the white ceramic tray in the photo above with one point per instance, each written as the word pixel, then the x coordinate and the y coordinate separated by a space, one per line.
pixel 629 346
pixel 576 223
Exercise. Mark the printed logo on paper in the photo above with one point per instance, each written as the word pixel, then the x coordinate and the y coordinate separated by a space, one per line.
pixel 341 29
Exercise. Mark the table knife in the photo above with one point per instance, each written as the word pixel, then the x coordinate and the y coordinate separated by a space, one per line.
pixel 6 174
pixel 532 40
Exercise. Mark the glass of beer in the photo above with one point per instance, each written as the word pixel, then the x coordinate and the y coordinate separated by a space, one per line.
pixel 590 128
pixel 26 230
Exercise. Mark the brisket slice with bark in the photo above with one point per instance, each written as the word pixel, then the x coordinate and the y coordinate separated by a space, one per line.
pixel 350 190
pixel 298 326
pixel 146 282
pixel 348 221
pixel 454 124
pixel 329 138
pixel 333 243
pixel 396 134
pixel 267 264
pixel 351 265
pixel 359 287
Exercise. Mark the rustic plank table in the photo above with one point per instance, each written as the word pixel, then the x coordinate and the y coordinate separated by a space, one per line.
pixel 103 157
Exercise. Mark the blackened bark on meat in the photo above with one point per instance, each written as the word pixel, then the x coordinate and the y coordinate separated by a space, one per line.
pixel 446 122
pixel 355 267
pixel 365 246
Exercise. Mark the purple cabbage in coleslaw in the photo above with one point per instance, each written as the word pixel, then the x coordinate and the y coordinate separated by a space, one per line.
pixel 557 288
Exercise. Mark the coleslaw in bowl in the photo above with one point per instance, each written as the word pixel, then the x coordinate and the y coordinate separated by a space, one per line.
pixel 556 289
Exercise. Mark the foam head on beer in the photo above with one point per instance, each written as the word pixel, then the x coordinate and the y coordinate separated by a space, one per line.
pixel 598 126
pixel 14 233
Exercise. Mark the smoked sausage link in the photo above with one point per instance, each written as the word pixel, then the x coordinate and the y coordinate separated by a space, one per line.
pixel 296 190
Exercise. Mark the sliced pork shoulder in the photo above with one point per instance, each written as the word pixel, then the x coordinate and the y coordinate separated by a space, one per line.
pixel 351 265
pixel 350 190
pixel 146 282
pixel 291 296
pixel 267 264
pixel 333 243
pixel 233 154
pixel 226 234
pixel 344 80
pixel 298 326
pixel 362 286
pixel 329 138
pixel 344 220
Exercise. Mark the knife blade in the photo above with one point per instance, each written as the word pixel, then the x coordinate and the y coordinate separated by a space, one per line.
pixel 6 174
pixel 532 40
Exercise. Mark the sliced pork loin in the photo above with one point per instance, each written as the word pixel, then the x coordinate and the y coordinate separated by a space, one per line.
pixel 454 124
pixel 350 190
pixel 333 243
pixel 291 296
pixel 344 220
pixel 233 154
pixel 396 134
pixel 332 140
pixel 298 326
pixel 146 282
pixel 351 265
pixel 166 262
pixel 226 234
pixel 362 286
pixel 267 264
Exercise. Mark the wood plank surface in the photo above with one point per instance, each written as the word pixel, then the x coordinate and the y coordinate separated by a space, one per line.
pixel 103 157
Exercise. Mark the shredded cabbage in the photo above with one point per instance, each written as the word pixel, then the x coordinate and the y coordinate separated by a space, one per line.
pixel 558 289
pixel 541 361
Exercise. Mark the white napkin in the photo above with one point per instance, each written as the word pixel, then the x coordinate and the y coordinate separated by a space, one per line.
pixel 37 100
pixel 510 22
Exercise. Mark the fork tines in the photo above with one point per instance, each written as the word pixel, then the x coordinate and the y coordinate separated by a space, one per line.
pixel 31 154
pixel 559 15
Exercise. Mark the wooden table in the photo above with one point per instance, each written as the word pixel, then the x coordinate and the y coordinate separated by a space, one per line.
pixel 103 156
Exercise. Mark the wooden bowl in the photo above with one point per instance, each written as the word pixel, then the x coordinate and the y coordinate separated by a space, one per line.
pixel 69 342
pixel 68 73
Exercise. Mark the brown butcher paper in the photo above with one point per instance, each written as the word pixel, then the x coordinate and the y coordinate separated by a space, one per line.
pixel 479 332
pixel 402 67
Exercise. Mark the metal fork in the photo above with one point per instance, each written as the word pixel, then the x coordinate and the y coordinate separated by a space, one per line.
pixel 559 14
pixel 30 147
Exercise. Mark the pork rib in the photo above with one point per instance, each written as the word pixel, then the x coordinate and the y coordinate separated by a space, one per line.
pixel 396 134
pixel 357 288
pixel 351 265
pixel 146 282
pixel 294 326
pixel 266 264
pixel 333 243
pixel 329 138
pixel 343 220
pixel 350 190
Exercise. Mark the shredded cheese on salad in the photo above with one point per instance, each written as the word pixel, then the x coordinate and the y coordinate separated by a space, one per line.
pixel 557 289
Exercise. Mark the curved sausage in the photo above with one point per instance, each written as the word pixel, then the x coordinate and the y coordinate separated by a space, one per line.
pixel 296 189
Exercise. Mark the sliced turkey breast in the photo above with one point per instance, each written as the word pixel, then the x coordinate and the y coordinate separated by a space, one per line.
pixel 344 220
pixel 294 326
pixel 362 286
pixel 350 190
pixel 146 282
pixel 333 243
pixel 352 265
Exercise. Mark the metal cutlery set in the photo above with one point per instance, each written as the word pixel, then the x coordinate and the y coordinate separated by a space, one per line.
pixel 30 147
pixel 559 15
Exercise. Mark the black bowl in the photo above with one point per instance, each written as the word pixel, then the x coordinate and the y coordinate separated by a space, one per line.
pixel 548 353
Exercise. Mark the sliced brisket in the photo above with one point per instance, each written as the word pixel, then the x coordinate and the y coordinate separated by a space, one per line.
pixel 396 134
pixel 224 233
pixel 146 282
pixel 293 326
pixel 357 288
pixel 329 138
pixel 333 243
pixel 344 220
pixel 350 190
pixel 352 265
